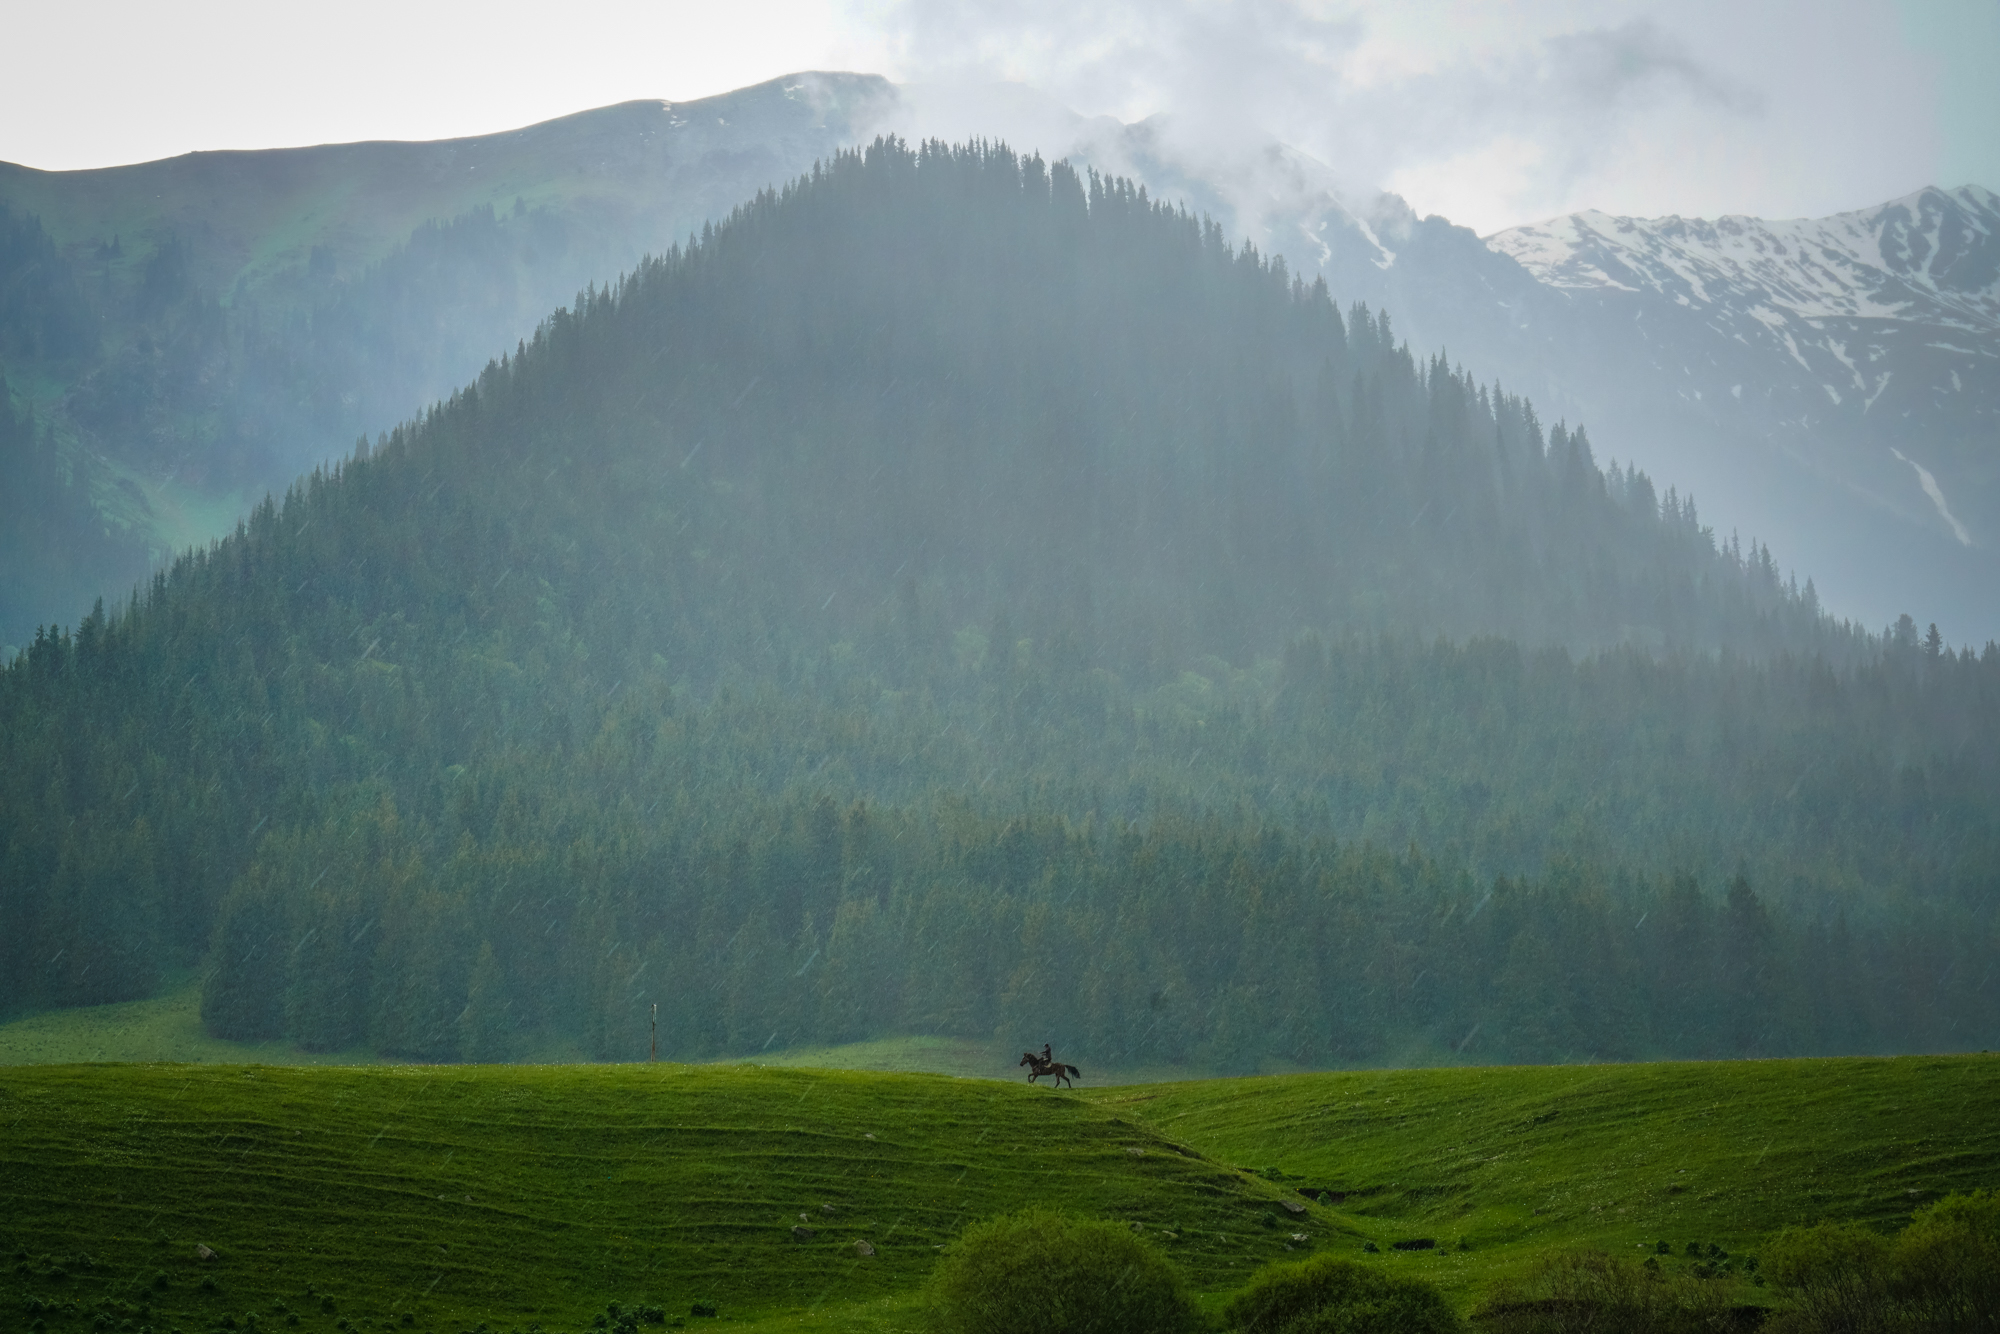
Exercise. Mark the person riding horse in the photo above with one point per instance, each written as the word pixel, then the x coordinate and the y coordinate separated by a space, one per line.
pixel 1047 1064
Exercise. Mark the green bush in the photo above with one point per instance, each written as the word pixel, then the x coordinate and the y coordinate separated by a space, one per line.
pixel 1588 1291
pixel 1945 1267
pixel 1053 1273
pixel 1329 1295
pixel 1834 1278
pixel 1940 1275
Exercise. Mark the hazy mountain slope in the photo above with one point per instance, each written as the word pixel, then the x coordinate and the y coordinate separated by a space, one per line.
pixel 1863 350
pixel 350 284
pixel 252 218
pixel 1649 364
pixel 197 330
pixel 943 598
pixel 1804 399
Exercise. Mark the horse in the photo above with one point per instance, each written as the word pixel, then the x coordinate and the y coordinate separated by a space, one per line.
pixel 1042 1065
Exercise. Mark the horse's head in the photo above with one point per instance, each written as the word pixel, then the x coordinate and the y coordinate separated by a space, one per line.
pixel 1027 1058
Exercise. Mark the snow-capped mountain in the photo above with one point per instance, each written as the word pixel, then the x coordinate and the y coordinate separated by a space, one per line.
pixel 1892 313
pixel 1830 386
pixel 1863 348
pixel 1930 257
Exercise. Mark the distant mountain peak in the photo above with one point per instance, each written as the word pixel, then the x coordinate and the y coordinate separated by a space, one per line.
pixel 1865 344
pixel 1932 255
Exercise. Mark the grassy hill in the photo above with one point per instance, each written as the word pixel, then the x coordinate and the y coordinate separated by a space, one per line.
pixel 163 1028
pixel 252 217
pixel 1522 1160
pixel 183 335
pixel 439 1198
pixel 168 1028
pixel 523 1195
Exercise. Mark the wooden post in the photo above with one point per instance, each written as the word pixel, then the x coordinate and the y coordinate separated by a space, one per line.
pixel 655 1055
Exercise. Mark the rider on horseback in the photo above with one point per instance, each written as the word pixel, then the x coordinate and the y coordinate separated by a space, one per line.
pixel 1047 1064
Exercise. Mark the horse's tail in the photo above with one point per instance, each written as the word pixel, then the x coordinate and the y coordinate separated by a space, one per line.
pixel 1074 1071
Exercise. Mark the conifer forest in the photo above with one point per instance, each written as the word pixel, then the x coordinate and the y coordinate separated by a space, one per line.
pixel 960 594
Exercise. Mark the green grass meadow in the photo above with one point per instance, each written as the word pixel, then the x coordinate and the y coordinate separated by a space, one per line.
pixel 1521 1161
pixel 168 1027
pixel 514 1195
pixel 364 1197
pixel 164 1028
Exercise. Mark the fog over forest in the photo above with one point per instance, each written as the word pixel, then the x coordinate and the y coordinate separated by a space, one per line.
pixel 962 594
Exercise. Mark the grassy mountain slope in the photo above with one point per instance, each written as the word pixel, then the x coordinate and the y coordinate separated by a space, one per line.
pixel 1517 1159
pixel 522 1195
pixel 253 218
pixel 537 1194
pixel 168 1028
pixel 188 333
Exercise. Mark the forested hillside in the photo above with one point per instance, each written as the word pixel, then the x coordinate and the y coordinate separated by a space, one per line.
pixel 959 595
pixel 138 394
pixel 188 333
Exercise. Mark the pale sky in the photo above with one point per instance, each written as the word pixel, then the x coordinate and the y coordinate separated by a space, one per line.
pixel 1490 113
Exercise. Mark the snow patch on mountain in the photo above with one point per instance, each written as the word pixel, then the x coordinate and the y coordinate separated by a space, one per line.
pixel 1933 255
pixel 1936 494
pixel 1832 340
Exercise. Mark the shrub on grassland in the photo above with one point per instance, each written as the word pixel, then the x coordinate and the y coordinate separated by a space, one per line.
pixel 1053 1273
pixel 1330 1295
pixel 1834 1278
pixel 1940 1275
pixel 1588 1292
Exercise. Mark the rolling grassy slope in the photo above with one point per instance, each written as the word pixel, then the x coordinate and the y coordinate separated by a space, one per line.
pixel 519 1195
pixel 527 1195
pixel 168 1027
pixel 1522 1160
pixel 161 1028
